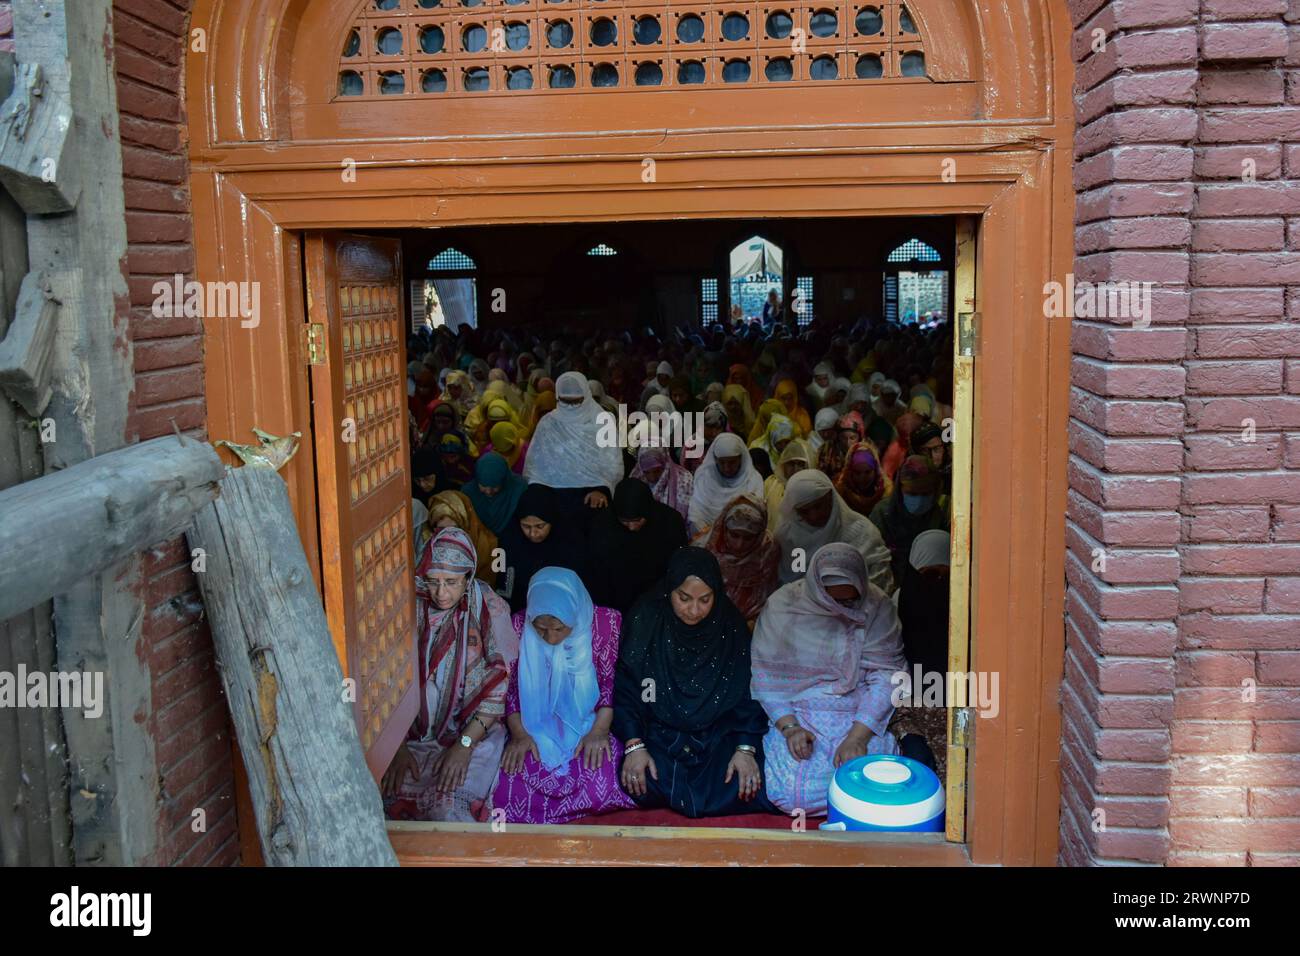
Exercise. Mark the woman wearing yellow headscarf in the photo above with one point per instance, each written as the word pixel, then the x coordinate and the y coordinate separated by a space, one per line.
pixel 779 434
pixel 862 372
pixel 796 457
pixel 507 443
pixel 765 412
pixel 493 408
pixel 545 402
pixel 459 391
pixel 787 393
pixel 453 509
pixel 740 413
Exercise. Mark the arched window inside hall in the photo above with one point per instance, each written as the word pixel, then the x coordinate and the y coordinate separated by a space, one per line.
pixel 917 287
pixel 448 296
pixel 757 270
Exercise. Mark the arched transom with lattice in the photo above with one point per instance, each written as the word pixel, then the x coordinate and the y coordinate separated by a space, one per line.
pixel 473 47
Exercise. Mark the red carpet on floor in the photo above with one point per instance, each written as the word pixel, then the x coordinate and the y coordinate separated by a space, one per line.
pixel 666 818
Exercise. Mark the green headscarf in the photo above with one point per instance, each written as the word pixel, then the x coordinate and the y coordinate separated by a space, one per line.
pixel 495 511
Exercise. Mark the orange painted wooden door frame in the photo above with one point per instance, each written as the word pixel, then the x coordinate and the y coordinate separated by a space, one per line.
pixel 254 190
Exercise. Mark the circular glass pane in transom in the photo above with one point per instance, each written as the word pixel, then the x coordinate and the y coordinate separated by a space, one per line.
pixel 823 68
pixel 735 71
pixel 519 78
pixel 649 74
pixel 779 24
pixel 473 38
pixel 386 4
pixel 476 79
pixel 869 22
pixel 912 64
pixel 432 40
pixel 428 4
pixel 869 67
pixel 518 35
pixel 559 34
pixel 388 41
pixel 351 83
pixel 433 81
pixel 690 71
pixel 690 29
pixel 646 30
pixel 735 26
pixel 392 82
pixel 824 23
pixel 779 69
pixel 604 74
pixel 561 78
pixel 604 32
pixel 352 45
pixel 905 22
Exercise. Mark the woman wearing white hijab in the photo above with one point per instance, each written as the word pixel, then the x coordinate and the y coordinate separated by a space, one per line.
pixel 568 451
pixel 603 400
pixel 825 421
pixel 560 762
pixel 725 472
pixel 839 392
pixel 887 407
pixel 825 654
pixel 812 515
pixel 822 376
pixel 659 384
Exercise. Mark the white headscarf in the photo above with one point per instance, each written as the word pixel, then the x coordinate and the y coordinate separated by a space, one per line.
pixel 807 645
pixel 568 450
pixel 929 549
pixel 558 689
pixel 815 391
pixel 826 418
pixel 603 400
pixel 837 384
pixel 799 540
pixel 713 492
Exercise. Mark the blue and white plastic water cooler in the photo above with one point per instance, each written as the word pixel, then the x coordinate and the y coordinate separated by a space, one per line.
pixel 886 793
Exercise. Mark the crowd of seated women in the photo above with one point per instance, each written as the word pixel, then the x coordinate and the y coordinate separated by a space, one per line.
pixel 603 628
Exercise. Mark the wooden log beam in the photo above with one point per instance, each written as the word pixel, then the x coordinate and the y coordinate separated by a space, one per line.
pixel 27 351
pixel 37 154
pixel 62 528
pixel 315 801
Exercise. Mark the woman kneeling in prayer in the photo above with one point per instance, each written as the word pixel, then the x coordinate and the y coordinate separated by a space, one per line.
pixel 826 651
pixel 681 697
pixel 465 648
pixel 561 760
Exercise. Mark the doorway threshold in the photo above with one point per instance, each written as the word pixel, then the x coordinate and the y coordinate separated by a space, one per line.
pixel 468 844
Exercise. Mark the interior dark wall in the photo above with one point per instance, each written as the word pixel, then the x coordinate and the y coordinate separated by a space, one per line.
pixel 547 276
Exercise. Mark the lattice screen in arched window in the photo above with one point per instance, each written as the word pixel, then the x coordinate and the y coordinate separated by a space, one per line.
pixel 432 48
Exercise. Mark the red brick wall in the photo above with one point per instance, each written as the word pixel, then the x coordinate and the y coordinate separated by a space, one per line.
pixel 6 27
pixel 1200 528
pixel 189 720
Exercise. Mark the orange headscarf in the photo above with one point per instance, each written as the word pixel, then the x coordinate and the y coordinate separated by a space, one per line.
pixel 545 403
pixel 742 376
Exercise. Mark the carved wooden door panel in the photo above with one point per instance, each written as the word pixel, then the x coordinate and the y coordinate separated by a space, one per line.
pixel 357 340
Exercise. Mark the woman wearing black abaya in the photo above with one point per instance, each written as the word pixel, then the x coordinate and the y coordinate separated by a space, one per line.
pixel 630 545
pixel 538 536
pixel 694 735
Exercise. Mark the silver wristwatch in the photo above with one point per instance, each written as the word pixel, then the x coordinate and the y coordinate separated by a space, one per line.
pixel 466 741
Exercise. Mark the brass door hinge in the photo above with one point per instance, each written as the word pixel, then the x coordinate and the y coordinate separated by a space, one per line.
pixel 968 334
pixel 313 343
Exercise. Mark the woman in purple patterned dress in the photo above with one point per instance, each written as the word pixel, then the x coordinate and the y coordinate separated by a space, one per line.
pixel 559 763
